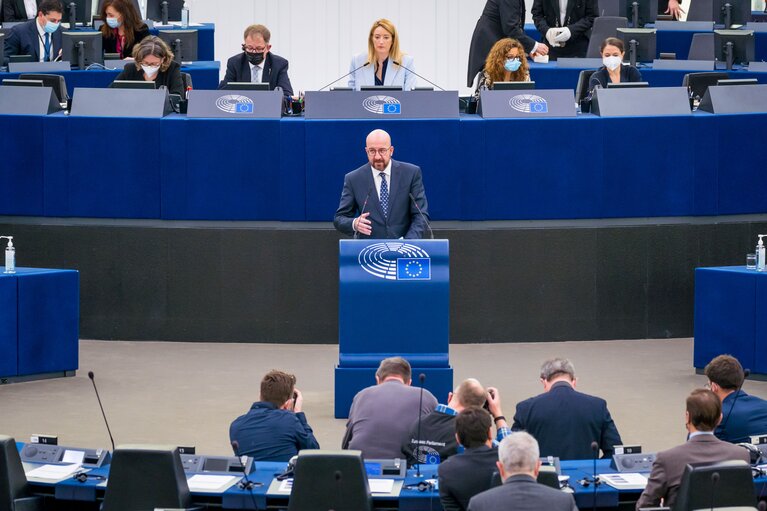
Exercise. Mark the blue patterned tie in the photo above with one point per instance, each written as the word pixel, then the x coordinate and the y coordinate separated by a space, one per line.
pixel 384 195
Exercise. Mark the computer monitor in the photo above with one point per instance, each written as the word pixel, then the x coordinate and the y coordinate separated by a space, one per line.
pixel 698 83
pixel 514 85
pixel 133 84
pixel 14 82
pixel 55 82
pixel 640 44
pixel 82 48
pixel 738 81
pixel 183 43
pixel 77 11
pixel 640 12
pixel 731 12
pixel 21 58
pixel 628 85
pixel 381 88
pixel 164 10
pixel 262 86
pixel 734 46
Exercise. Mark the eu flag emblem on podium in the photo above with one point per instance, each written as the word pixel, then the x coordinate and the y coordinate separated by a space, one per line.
pixel 414 268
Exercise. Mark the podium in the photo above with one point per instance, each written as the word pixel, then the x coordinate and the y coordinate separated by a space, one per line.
pixel 394 300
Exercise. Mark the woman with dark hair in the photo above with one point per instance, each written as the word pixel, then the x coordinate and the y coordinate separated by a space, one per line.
pixel 122 28
pixel 613 70
pixel 506 62
pixel 154 63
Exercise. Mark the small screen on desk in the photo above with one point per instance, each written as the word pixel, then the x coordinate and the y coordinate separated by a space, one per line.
pixel 216 465
pixel 373 469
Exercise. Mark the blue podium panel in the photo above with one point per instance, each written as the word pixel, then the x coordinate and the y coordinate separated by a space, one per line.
pixel 9 330
pixel 394 299
pixel 21 168
pixel 727 310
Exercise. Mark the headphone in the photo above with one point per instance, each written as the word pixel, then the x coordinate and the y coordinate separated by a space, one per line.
pixel 421 486
pixel 83 477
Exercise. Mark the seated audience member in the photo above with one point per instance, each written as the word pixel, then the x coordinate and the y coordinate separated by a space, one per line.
pixel 743 418
pixel 275 428
pixel 384 63
pixel 506 62
pixel 14 11
pixel 519 465
pixel 567 31
pixel 437 441
pixel 257 64
pixel 154 63
pixel 565 422
pixel 381 415
pixel 703 413
pixel 122 28
pixel 39 37
pixel 613 70
pixel 466 474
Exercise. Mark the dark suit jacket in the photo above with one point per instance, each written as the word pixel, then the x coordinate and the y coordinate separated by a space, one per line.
pixel 403 220
pixel 171 78
pixel 565 422
pixel 668 468
pixel 748 418
pixel 522 493
pixel 14 10
pixel 464 475
pixel 109 44
pixel 579 19
pixel 24 39
pixel 500 18
pixel 275 72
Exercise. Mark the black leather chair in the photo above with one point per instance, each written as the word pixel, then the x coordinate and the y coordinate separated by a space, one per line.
pixel 330 480
pixel 146 477
pixel 14 491
pixel 697 83
pixel 716 485
pixel 582 89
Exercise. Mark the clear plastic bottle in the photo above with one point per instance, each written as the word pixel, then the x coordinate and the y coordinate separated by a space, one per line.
pixel 185 16
pixel 760 254
pixel 10 256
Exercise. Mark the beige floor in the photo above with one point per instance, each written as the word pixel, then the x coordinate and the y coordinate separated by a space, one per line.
pixel 188 393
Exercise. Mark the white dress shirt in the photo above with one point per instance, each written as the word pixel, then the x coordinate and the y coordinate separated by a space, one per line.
pixel 31 7
pixel 562 12
pixel 41 43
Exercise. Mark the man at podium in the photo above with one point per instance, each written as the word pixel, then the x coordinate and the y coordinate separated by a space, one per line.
pixel 385 198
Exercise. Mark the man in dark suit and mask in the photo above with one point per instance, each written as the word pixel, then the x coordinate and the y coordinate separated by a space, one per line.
pixel 257 63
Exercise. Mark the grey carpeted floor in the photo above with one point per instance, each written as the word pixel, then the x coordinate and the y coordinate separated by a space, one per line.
pixel 188 393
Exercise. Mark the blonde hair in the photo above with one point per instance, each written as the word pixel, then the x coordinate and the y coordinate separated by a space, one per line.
pixel 394 53
pixel 153 45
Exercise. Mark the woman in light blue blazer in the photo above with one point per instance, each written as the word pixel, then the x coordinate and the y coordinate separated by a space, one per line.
pixel 384 63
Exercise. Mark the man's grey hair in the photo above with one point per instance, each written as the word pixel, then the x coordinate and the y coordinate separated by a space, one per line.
pixel 556 367
pixel 519 452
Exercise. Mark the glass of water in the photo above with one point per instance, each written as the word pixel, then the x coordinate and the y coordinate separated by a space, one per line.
pixel 750 261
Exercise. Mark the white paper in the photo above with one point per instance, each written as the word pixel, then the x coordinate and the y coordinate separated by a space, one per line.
pixel 542 59
pixel 381 485
pixel 210 483
pixel 53 472
pixel 286 485
pixel 625 481
pixel 71 456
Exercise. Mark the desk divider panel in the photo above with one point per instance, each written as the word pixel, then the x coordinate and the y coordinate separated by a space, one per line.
pixel 28 101
pixel 234 104
pixel 120 103
pixel 383 105
pixel 528 104
pixel 641 102
pixel 734 99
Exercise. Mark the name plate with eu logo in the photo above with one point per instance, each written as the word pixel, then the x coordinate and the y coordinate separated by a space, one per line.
pixel 381 105
pixel 235 104
pixel 504 104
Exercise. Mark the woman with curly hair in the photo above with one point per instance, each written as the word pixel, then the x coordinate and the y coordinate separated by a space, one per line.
pixel 506 62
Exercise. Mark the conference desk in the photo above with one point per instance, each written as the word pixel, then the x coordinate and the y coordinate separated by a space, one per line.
pixel 204 76
pixel 730 305
pixel 474 168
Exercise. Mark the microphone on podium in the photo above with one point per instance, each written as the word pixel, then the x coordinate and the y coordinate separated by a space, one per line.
pixel 419 76
pixel 421 378
pixel 714 484
pixel 93 381
pixel 344 76
pixel 595 478
pixel 423 217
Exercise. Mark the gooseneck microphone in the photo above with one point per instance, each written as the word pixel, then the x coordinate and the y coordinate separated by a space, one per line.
pixel 423 217
pixel 595 478
pixel 746 373
pixel 364 205
pixel 421 378
pixel 714 483
pixel 762 506
pixel 419 76
pixel 93 381
pixel 344 76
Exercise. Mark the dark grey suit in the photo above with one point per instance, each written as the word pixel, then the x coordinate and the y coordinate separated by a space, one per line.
pixel 668 468
pixel 464 475
pixel 403 220
pixel 522 493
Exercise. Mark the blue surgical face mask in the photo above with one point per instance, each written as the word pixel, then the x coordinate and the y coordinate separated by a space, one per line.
pixel 113 22
pixel 51 27
pixel 512 65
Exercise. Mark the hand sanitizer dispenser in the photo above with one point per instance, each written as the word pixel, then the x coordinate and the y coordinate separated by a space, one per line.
pixel 10 255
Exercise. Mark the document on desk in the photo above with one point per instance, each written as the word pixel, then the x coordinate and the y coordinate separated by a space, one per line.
pixel 381 485
pixel 625 481
pixel 52 473
pixel 211 483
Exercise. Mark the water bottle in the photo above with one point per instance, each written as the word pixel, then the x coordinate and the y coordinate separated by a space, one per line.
pixel 10 255
pixel 185 16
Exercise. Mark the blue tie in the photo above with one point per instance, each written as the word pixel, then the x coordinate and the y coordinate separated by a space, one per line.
pixel 47 46
pixel 384 195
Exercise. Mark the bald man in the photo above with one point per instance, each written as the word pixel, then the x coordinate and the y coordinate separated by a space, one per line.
pixel 376 199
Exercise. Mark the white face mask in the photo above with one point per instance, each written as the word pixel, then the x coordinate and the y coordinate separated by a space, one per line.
pixel 150 70
pixel 612 63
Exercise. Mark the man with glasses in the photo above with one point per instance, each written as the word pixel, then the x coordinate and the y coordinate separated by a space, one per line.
pixel 385 198
pixel 257 64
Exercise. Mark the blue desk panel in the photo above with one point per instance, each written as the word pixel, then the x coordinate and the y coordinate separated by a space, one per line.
pixel 204 76
pixel 9 350
pixel 21 166
pixel 729 316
